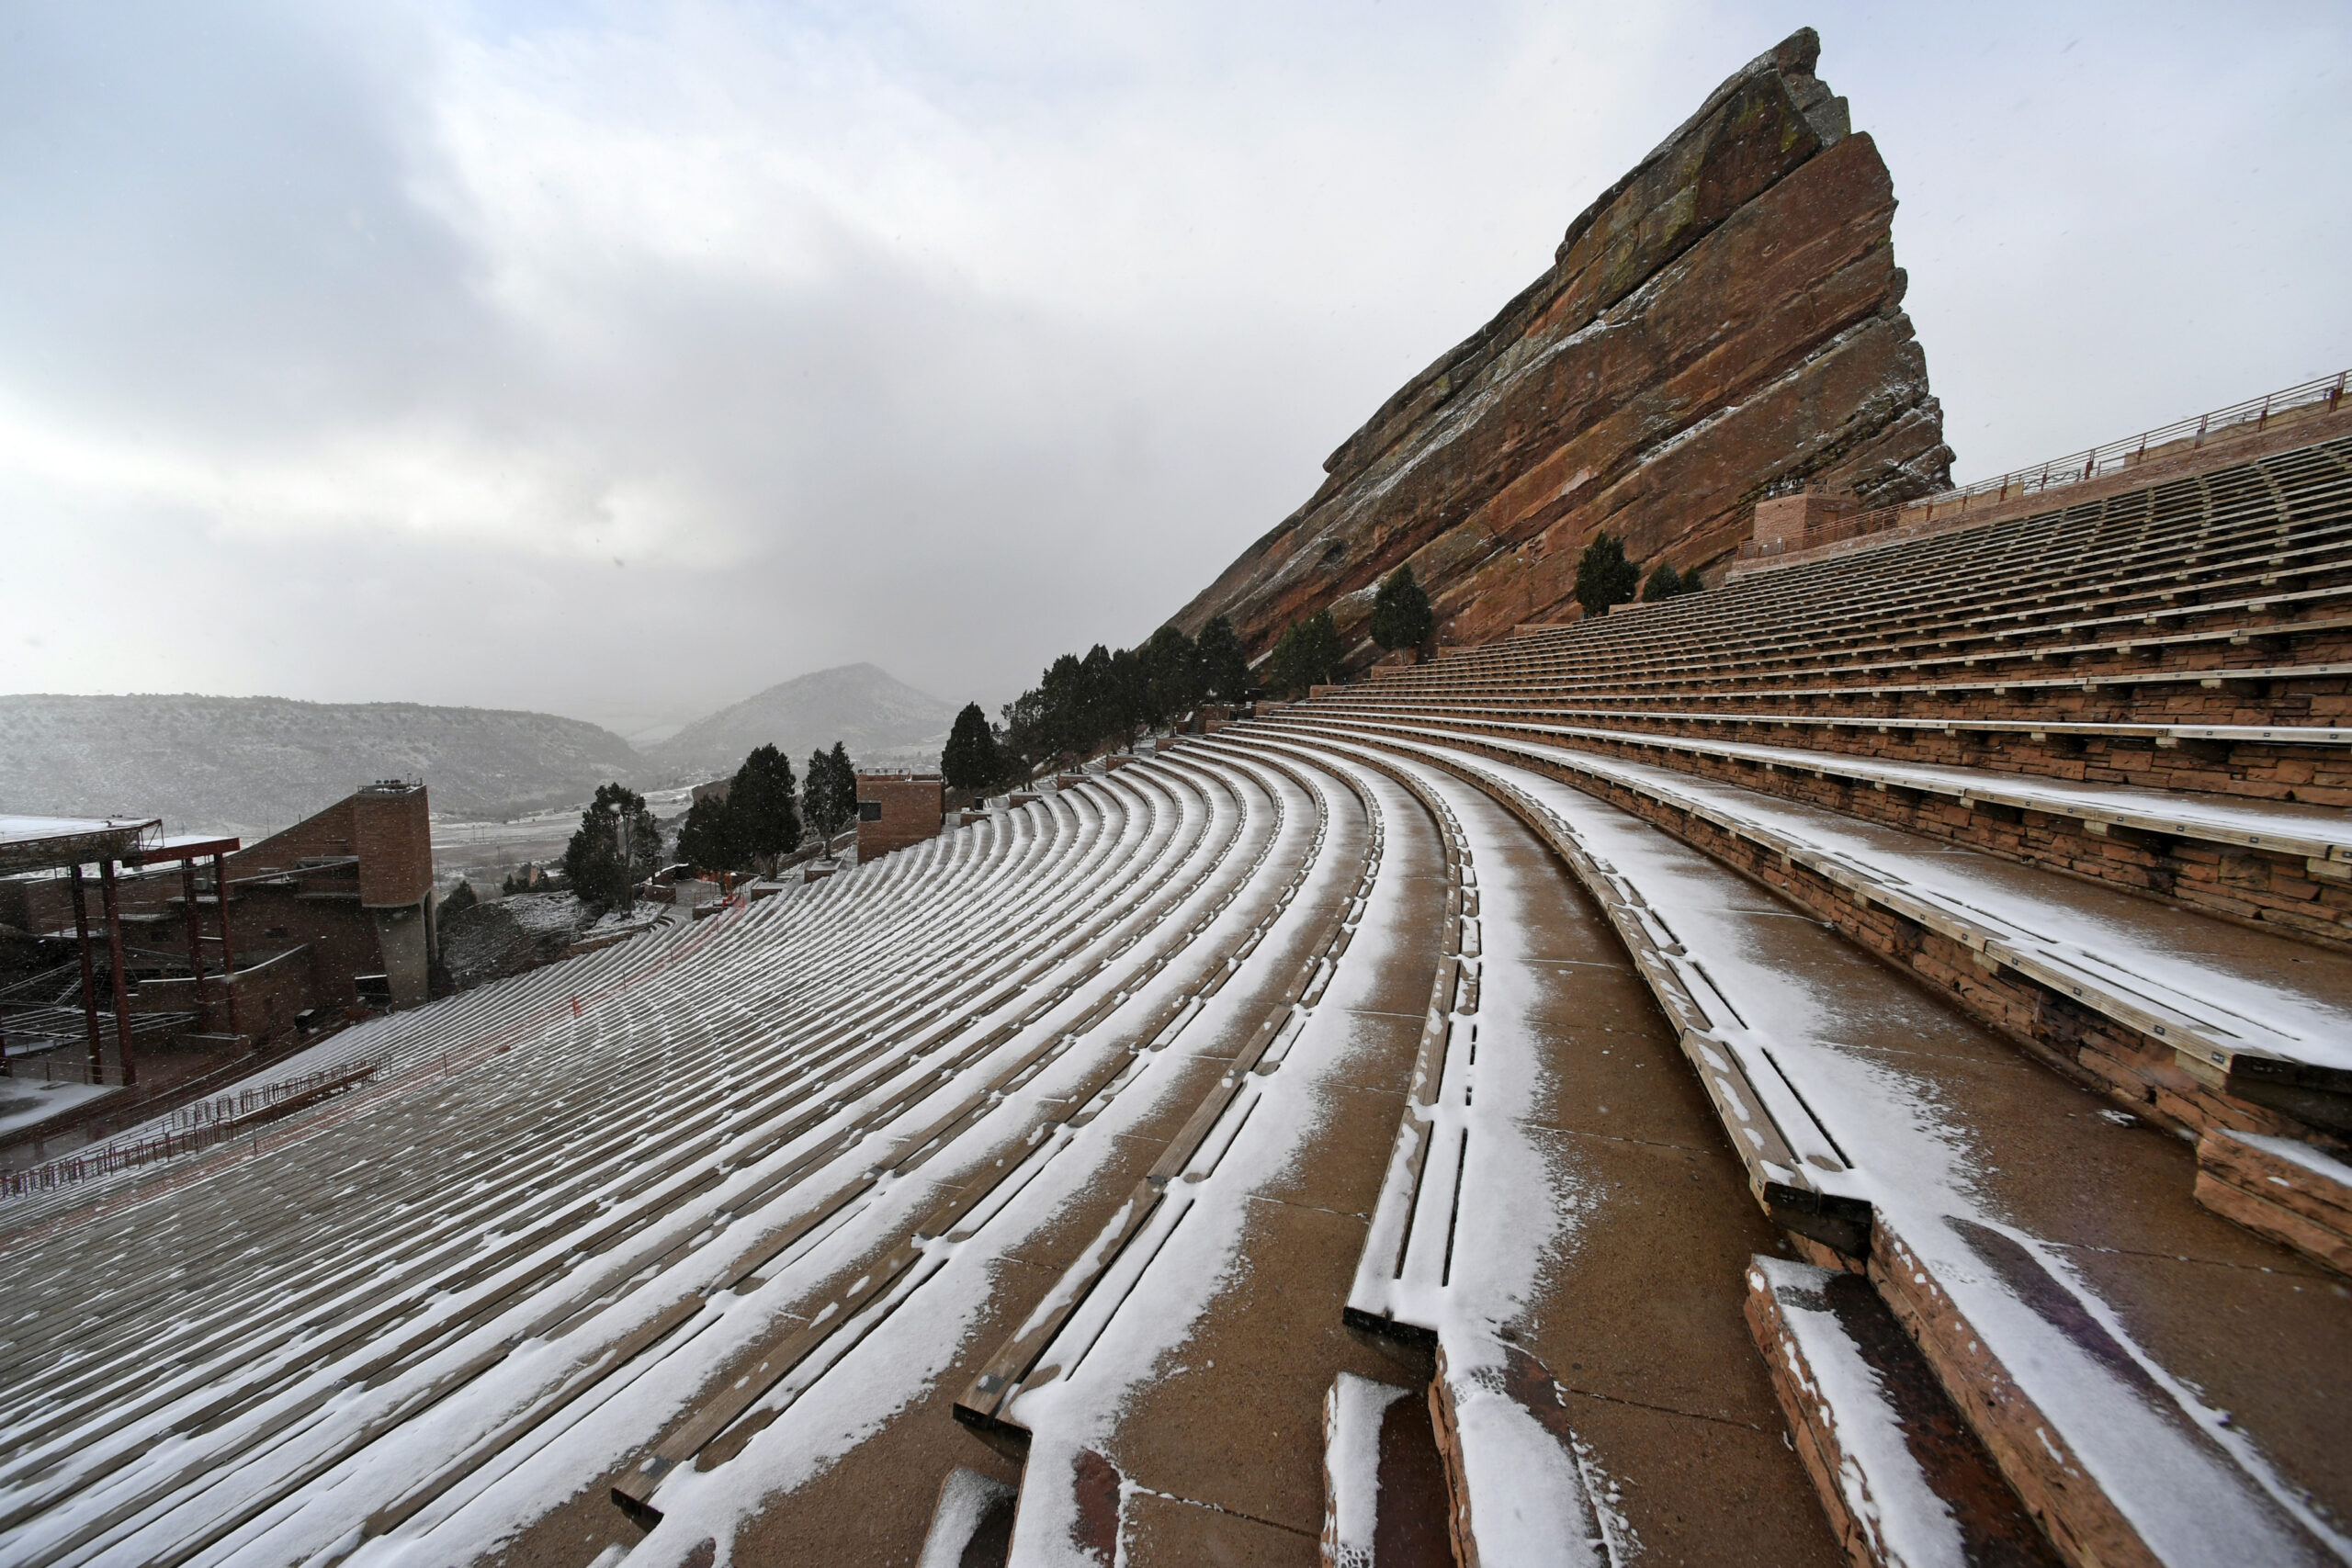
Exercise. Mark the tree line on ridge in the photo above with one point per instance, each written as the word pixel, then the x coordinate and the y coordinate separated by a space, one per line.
pixel 1081 705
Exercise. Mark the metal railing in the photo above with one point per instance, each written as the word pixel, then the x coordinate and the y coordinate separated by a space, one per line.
pixel 193 1127
pixel 60 1067
pixel 2109 458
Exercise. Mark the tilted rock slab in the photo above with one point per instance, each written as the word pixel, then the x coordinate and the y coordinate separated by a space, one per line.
pixel 1727 315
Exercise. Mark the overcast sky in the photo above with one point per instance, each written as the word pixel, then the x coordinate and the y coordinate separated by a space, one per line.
pixel 620 360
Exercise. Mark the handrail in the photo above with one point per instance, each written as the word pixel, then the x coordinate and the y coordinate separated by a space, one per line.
pixel 2073 468
pixel 193 1127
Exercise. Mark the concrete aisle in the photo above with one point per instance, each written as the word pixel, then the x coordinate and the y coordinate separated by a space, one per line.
pixel 1638 1316
pixel 1232 1445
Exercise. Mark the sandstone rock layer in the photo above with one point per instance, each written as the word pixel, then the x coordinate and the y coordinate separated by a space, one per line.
pixel 1725 316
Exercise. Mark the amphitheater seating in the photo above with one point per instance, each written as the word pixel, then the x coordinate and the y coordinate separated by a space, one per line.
pixel 1683 758
pixel 1848 1067
pixel 1841 1093
pixel 2140 597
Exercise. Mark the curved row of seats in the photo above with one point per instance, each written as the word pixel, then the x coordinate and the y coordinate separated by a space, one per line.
pixel 559 1152
pixel 2198 573
pixel 1989 1206
pixel 2151 900
pixel 616 1108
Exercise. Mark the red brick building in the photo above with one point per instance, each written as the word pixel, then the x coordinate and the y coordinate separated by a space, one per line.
pixel 335 908
pixel 897 809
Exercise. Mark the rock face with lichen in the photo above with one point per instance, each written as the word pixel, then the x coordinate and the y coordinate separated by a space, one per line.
pixel 1725 316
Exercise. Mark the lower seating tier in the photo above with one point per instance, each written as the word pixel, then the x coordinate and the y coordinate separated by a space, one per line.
pixel 2009 1222
pixel 2281 865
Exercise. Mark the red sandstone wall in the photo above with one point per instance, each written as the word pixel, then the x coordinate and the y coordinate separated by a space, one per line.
pixel 1728 316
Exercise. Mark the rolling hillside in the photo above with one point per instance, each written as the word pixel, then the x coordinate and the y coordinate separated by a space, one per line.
pixel 880 718
pixel 251 764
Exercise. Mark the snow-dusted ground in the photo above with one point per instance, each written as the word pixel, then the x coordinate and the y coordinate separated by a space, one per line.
pixel 24 1102
pixel 2135 957
pixel 573 1198
pixel 1818 1045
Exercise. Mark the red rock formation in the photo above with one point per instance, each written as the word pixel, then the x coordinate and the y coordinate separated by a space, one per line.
pixel 1726 316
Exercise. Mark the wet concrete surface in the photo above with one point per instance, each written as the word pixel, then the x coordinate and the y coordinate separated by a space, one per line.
pixel 1639 1317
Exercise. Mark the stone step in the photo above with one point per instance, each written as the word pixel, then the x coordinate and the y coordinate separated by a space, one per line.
pixel 971 1524
pixel 2058 1280
pixel 2288 1191
pixel 1901 1477
pixel 1385 1503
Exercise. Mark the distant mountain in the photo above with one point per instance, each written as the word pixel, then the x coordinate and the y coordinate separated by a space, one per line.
pixel 254 764
pixel 879 717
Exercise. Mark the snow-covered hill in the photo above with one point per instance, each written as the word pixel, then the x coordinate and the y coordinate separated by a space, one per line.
pixel 255 764
pixel 881 719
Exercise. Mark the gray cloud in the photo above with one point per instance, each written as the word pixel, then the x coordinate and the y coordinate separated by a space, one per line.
pixel 621 366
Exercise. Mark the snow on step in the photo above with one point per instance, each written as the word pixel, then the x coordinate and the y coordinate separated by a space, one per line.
pixel 2281 1187
pixel 2314 831
pixel 1120 1314
pixel 1384 1485
pixel 2110 953
pixel 618 1120
pixel 806 1425
pixel 1467 1212
pixel 1903 1483
pixel 1352 1417
pixel 971 1522
pixel 2120 1458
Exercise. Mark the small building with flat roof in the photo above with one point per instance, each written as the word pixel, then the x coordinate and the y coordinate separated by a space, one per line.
pixel 897 809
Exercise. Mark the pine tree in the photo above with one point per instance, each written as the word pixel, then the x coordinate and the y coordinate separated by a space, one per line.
pixel 1128 705
pixel 1026 745
pixel 971 760
pixel 1604 576
pixel 1308 655
pixel 707 838
pixel 829 796
pixel 1401 616
pixel 1223 664
pixel 1664 584
pixel 619 845
pixel 1172 674
pixel 763 809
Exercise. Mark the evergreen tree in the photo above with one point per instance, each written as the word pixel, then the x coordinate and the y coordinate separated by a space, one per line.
pixel 971 761
pixel 1604 576
pixel 762 808
pixel 619 845
pixel 1664 584
pixel 829 796
pixel 1127 698
pixel 1308 655
pixel 1223 666
pixel 707 838
pixel 1401 616
pixel 1096 711
pixel 1171 675
pixel 1026 745
pixel 1065 696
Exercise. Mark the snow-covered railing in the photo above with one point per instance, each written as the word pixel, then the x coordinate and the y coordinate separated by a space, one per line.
pixel 193 1127
pixel 2073 468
